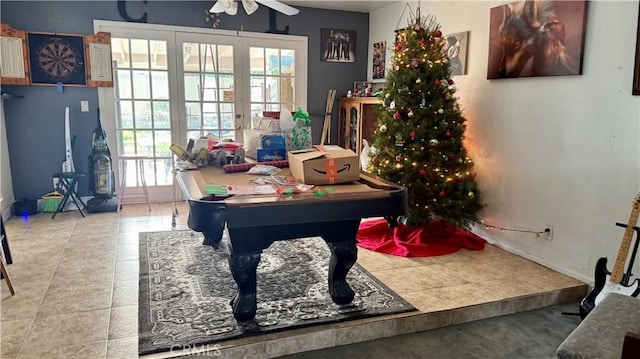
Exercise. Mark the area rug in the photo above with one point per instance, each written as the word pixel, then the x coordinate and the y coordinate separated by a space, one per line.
pixel 185 289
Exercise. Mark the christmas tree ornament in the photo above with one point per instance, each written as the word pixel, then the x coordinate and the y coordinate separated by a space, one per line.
pixel 436 83
pixel 471 194
pixel 422 172
pixel 448 133
pixel 442 193
pixel 410 114
pixel 396 115
pixel 412 134
pixel 383 128
pixel 433 142
pixel 418 81
pixel 441 111
pixel 423 42
pixel 392 105
pixel 438 33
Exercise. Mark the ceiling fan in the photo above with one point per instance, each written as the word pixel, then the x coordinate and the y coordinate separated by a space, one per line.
pixel 250 6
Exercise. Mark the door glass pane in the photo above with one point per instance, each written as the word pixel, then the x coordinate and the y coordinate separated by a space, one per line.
pixel 272 79
pixel 140 54
pixel 143 120
pixel 208 85
pixel 158 55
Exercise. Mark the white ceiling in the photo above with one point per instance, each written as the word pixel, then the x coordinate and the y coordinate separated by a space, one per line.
pixel 345 5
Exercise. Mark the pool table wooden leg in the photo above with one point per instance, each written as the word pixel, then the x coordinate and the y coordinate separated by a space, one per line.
pixel 343 257
pixel 243 268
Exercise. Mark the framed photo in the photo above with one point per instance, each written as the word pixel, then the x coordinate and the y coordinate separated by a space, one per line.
pixel 455 48
pixel 379 59
pixel 537 38
pixel 338 45
pixel 56 58
pixel 362 88
pixel 636 71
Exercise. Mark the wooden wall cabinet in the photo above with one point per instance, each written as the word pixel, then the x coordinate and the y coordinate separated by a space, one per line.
pixel 356 121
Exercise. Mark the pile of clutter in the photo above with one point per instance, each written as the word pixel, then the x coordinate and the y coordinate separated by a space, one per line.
pixel 209 150
pixel 276 132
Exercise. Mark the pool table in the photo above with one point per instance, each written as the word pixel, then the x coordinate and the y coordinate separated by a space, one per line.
pixel 254 222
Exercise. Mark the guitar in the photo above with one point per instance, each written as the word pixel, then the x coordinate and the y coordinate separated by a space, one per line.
pixel 617 282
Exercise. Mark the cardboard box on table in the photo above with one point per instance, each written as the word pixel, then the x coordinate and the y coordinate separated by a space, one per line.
pixel 324 165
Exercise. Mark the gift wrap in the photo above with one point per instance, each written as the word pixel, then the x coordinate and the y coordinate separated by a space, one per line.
pixel 299 138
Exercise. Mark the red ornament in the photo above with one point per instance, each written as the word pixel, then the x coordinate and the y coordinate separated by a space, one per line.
pixel 438 33
pixel 442 194
pixel 398 47
pixel 375 159
pixel 423 42
pixel 396 115
pixel 412 134
pixel 450 81
pixel 448 133
pixel 423 172
pixel 437 83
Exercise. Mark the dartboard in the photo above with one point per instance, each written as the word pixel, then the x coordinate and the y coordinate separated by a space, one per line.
pixel 58 59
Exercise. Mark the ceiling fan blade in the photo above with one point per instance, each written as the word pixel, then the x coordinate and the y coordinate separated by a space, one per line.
pixel 250 6
pixel 278 6
pixel 228 6
pixel 233 9
pixel 217 8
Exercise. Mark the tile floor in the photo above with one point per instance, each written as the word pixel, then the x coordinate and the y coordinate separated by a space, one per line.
pixel 76 282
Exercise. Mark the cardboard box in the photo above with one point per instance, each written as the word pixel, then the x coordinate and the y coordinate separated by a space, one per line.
pixel 271 154
pixel 272 141
pixel 324 165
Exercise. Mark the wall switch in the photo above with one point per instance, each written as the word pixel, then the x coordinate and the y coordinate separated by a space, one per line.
pixel 84 106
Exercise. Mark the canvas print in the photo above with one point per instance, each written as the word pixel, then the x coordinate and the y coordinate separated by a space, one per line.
pixel 338 45
pixel 536 38
pixel 379 56
pixel 455 48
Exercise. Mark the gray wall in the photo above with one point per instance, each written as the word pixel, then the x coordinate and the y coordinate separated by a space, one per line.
pixel 35 123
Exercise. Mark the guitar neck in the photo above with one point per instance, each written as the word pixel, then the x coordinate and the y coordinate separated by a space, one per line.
pixel 618 268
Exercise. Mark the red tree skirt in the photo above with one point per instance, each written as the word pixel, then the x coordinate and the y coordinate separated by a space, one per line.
pixel 433 239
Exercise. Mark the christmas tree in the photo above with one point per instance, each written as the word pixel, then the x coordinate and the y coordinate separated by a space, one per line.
pixel 419 137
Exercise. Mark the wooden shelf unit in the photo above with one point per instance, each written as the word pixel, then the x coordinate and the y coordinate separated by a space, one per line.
pixel 356 120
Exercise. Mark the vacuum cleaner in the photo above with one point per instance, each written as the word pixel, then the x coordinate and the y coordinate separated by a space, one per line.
pixel 101 176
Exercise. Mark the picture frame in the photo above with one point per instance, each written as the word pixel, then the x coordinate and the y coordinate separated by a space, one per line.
pixel 338 45
pixel 360 88
pixel 538 30
pixel 636 70
pixel 379 60
pixel 455 48
pixel 56 59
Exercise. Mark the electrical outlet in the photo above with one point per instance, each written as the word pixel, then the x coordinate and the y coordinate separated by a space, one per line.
pixel 84 106
pixel 548 232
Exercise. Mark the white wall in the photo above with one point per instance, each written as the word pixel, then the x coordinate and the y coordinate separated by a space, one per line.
pixel 561 151
pixel 6 186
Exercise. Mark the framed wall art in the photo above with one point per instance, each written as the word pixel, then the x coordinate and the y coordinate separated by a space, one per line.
pixel 536 38
pixel 338 45
pixel 379 60
pixel 455 48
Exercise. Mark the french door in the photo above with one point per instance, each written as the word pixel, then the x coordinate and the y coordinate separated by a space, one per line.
pixel 173 84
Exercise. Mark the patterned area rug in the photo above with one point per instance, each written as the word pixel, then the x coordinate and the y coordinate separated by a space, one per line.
pixel 185 290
